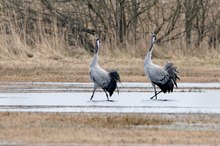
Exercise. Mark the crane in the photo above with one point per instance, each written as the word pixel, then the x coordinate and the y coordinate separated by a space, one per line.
pixel 165 78
pixel 107 80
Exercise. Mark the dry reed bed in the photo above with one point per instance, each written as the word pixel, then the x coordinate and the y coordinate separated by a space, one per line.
pixel 50 128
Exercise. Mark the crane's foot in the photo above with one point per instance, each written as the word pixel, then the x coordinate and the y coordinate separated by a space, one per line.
pixel 92 96
pixel 153 97
pixel 106 95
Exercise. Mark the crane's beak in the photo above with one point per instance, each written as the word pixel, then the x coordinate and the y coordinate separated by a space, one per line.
pixel 152 33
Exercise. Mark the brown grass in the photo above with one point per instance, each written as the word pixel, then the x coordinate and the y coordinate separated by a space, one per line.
pixel 76 69
pixel 39 128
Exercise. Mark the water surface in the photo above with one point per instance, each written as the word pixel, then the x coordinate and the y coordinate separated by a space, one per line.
pixel 134 97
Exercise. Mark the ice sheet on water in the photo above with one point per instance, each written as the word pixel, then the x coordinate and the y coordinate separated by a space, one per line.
pixel 207 101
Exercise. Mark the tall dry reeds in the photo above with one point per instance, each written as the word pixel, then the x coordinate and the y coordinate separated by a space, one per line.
pixel 32 29
pixel 18 40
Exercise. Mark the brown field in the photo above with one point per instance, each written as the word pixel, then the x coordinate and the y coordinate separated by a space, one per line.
pixel 64 69
pixel 82 128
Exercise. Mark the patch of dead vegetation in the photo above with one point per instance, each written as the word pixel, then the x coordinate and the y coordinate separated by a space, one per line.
pixel 72 128
pixel 76 69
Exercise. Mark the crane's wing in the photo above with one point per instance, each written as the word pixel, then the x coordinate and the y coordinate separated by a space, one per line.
pixel 164 78
pixel 100 77
pixel 158 75
pixel 161 78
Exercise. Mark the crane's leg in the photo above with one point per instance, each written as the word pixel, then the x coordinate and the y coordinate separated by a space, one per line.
pixel 155 91
pixel 106 94
pixel 93 93
pixel 156 95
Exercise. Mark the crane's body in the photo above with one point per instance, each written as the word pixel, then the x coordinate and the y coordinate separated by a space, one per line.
pixel 165 78
pixel 102 78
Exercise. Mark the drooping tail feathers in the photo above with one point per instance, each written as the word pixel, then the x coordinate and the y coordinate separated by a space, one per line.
pixel 168 82
pixel 171 69
pixel 114 76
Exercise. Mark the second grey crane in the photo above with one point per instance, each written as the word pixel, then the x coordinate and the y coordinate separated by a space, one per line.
pixel 100 77
pixel 165 78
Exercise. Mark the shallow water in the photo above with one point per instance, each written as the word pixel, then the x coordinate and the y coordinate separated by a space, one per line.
pixel 134 97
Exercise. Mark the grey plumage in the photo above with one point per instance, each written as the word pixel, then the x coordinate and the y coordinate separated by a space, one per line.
pixel 102 78
pixel 165 78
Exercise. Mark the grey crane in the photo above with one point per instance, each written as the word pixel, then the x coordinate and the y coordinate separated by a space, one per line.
pixel 107 80
pixel 165 78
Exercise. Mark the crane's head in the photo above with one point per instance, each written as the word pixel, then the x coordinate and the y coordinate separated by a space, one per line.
pixel 97 45
pixel 153 37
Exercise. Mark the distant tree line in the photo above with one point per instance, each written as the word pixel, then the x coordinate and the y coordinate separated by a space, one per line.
pixel 119 22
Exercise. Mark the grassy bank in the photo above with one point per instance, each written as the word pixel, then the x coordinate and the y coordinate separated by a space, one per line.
pixel 58 69
pixel 70 128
